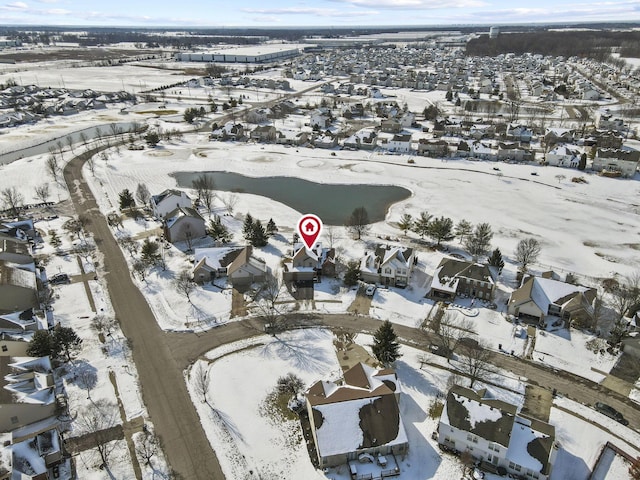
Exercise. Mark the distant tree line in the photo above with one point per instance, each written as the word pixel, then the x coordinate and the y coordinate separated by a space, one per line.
pixel 593 44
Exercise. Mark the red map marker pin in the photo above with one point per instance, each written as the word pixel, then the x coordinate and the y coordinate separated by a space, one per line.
pixel 309 229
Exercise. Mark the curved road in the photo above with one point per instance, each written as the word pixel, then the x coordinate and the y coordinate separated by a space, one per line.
pixel 161 357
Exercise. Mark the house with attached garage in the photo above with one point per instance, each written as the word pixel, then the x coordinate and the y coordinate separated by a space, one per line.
pixel 168 201
pixel 183 224
pixel 459 277
pixel 495 434
pixel 563 155
pixel 304 265
pixel 237 264
pixel 388 265
pixel 540 297
pixel 357 418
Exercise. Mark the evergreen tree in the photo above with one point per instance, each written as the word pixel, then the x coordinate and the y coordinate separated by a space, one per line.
pixel 152 138
pixel 352 275
pixel 463 229
pixel 441 230
pixel 126 199
pixel 583 162
pixel 271 227
pixel 421 225
pixel 41 345
pixel 495 260
pixel 149 252
pixel 405 223
pixel 55 239
pixel 259 236
pixel 66 341
pixel 247 227
pixel 385 344
pixel 218 230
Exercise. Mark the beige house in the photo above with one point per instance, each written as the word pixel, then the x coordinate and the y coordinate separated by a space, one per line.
pixel 366 403
pixel 183 224
pixel 305 265
pixel 388 265
pixel 39 456
pixel 236 263
pixel 613 161
pixel 539 297
pixel 459 277
pixel 18 286
pixel 28 393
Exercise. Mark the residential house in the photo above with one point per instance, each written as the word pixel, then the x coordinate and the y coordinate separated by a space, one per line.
pixel 563 156
pixel 264 133
pixel 39 456
pixel 28 392
pixel 539 297
pixel 407 119
pixel 484 151
pixel 508 151
pixel 237 264
pixel 494 433
pixel 167 201
pixel 481 130
pixel 631 346
pixel 291 137
pixel 400 143
pixel 325 139
pixel 433 147
pixel 365 139
pixel 616 162
pixel 183 224
pixel 554 136
pixel 519 132
pixel 388 265
pixel 259 115
pixel 310 265
pixel 228 131
pixel 606 121
pixel 458 277
pixel 368 400
pixel 18 284
pixel 320 118
pixel 390 125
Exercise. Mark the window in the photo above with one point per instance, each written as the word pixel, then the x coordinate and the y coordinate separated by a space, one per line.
pixel 14 420
pixel 4 348
pixel 494 447
pixel 387 270
pixel 472 438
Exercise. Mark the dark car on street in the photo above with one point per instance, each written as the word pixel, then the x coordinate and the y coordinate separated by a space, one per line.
pixel 59 279
pixel 611 412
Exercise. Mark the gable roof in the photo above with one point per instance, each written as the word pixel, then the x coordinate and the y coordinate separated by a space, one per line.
pixel 546 291
pixel 170 192
pixel 181 212
pixel 467 410
pixel 449 272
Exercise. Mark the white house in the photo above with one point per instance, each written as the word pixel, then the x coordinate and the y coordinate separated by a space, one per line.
pixel 400 143
pixel 563 155
pixel 388 265
pixel 495 434
pixel 167 201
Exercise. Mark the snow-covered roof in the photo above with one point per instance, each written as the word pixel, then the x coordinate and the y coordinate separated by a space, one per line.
pixel 546 291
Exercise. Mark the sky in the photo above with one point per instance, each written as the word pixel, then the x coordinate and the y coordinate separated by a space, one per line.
pixel 293 13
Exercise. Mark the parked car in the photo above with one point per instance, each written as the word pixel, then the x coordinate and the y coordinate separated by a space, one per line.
pixel 611 412
pixel 59 279
pixel 370 290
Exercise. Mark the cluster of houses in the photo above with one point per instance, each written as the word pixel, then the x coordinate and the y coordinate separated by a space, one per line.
pixel 32 398
pixel 25 104
pixel 357 421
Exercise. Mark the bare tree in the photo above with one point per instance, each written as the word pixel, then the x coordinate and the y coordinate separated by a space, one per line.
pixel 96 421
pixel 230 201
pixel 184 284
pixel 84 139
pixel 53 167
pixel 527 252
pixel 91 164
pixel 624 293
pixel 200 377
pixel 331 234
pixel 205 187
pixel 69 140
pixel 148 446
pixel 12 200
pixel 142 194
pixel 450 331
pixel 42 192
pixel 358 222
pixel 475 361
pixel 270 289
pixel 129 244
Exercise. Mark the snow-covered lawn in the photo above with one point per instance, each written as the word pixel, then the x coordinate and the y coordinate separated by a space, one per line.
pixel 566 350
